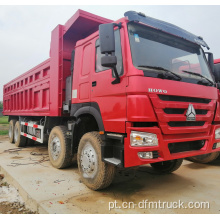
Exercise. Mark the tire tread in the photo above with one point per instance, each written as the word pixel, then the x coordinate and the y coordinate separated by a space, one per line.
pixel 209 159
pixel 67 158
pixel 21 142
pixel 11 140
pixel 107 172
pixel 176 165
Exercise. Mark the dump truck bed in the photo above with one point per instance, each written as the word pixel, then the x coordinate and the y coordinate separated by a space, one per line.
pixel 41 90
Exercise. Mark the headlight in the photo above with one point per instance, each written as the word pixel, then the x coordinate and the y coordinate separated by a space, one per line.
pixel 143 139
pixel 217 133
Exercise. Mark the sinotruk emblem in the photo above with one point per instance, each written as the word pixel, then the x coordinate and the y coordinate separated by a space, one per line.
pixel 191 113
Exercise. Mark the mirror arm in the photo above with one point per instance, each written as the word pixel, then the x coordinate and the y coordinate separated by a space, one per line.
pixel 119 25
pixel 117 80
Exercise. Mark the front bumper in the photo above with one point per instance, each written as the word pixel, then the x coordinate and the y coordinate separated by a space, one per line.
pixel 131 157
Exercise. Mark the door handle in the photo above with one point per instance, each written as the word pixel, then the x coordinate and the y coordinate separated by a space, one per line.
pixel 93 83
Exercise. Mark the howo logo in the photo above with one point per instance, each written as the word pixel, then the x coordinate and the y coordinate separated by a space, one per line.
pixel 157 90
pixel 191 113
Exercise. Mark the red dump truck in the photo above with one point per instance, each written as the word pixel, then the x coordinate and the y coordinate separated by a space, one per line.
pixel 117 94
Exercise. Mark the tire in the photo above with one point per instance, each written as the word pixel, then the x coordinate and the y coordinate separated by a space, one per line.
pixel 205 158
pixel 59 148
pixel 30 142
pixel 19 140
pixel 95 174
pixel 167 166
pixel 11 131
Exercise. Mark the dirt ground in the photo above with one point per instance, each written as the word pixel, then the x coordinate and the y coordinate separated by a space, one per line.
pixel 11 201
pixel 8 207
pixel 13 208
pixel 191 183
pixel 3 137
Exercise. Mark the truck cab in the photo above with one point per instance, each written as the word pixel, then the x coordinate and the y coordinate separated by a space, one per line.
pixel 166 91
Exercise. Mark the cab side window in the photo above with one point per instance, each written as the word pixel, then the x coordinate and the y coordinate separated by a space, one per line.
pixel 118 53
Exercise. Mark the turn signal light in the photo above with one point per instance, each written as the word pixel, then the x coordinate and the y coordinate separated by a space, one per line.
pixel 145 155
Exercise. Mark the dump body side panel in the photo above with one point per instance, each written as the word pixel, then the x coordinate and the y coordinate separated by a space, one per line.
pixel 29 93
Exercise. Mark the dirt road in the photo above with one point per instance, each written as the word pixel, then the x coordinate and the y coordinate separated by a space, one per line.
pixel 10 201
pixel 3 137
pixel 60 191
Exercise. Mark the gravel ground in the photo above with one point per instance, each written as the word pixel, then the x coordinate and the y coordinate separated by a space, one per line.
pixel 193 182
pixel 10 201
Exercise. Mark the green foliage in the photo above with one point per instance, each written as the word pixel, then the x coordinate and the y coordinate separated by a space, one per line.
pixel 4 120
pixel 4 132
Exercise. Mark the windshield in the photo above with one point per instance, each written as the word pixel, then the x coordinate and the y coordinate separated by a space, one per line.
pixel 153 48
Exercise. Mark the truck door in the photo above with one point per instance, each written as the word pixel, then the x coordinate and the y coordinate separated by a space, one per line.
pixel 85 72
pixel 110 98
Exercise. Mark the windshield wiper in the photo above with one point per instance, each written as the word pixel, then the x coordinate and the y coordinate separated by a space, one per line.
pixel 161 68
pixel 197 74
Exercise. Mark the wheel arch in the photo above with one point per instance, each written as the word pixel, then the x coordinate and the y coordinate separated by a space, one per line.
pixel 91 109
pixel 87 119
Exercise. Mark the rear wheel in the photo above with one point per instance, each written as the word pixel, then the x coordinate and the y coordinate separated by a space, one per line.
pixel 11 131
pixel 167 166
pixel 205 158
pixel 19 140
pixel 59 148
pixel 94 173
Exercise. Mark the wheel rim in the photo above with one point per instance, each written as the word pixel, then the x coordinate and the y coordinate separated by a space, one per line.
pixel 88 160
pixel 55 148
pixel 16 134
pixel 10 132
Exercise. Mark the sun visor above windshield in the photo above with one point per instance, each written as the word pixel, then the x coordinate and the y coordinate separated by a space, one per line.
pixel 165 27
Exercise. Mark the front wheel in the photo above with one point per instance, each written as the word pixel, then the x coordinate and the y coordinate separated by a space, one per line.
pixel 205 158
pixel 94 173
pixel 167 166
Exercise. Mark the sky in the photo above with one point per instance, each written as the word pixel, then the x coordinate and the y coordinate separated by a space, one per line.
pixel 25 31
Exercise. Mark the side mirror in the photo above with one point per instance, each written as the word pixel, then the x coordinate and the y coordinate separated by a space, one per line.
pixel 107 38
pixel 109 61
pixel 210 61
pixel 107 47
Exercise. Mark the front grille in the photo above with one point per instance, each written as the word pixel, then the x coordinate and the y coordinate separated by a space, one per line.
pixel 180 111
pixel 171 113
pixel 183 99
pixel 185 146
pixel 185 123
